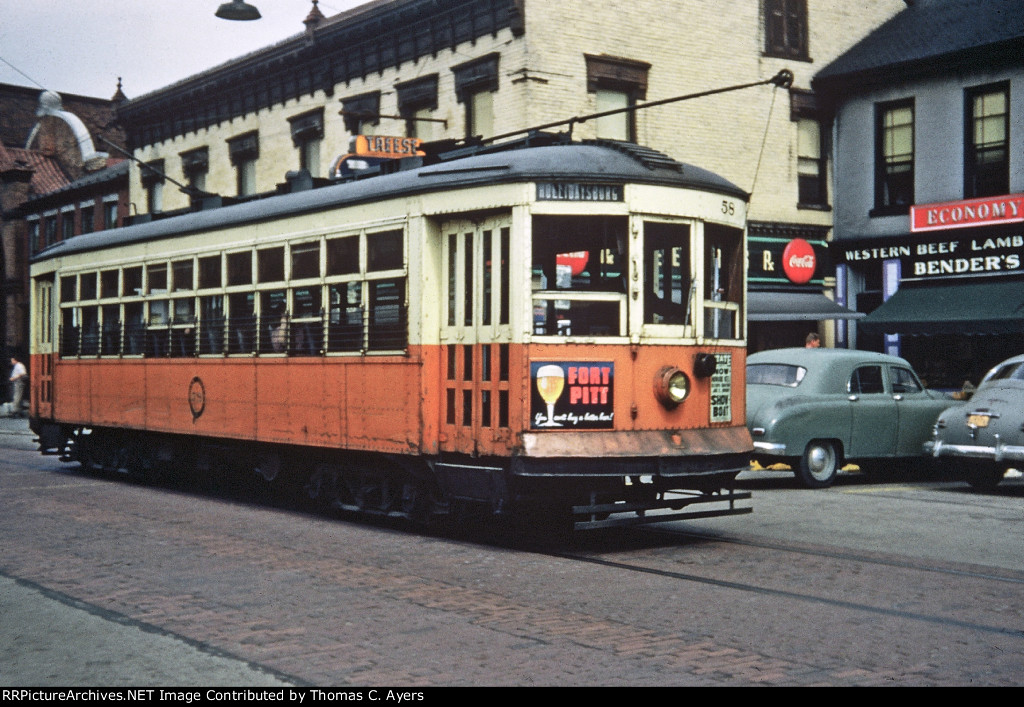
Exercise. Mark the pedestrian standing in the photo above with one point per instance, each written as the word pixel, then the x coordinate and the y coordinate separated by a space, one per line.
pixel 18 377
pixel 813 341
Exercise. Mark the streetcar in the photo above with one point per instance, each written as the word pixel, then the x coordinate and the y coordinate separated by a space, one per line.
pixel 551 331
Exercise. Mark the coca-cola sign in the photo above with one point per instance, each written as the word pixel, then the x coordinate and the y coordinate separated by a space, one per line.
pixel 799 261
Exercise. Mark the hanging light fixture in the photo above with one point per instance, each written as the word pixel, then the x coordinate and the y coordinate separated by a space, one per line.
pixel 238 10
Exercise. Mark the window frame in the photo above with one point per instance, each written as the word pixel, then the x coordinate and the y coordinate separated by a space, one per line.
pixel 886 159
pixel 973 172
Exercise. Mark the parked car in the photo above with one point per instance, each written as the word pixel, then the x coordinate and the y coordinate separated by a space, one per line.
pixel 980 439
pixel 817 409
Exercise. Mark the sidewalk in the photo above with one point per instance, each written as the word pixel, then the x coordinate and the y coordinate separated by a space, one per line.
pixel 14 426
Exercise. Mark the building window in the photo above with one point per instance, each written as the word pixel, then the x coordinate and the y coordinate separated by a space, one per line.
pixel 244 150
pixel 110 213
pixel 417 100
pixel 810 164
pixel 153 183
pixel 361 113
pixel 195 164
pixel 307 134
pixel 50 230
pixel 617 84
pixel 34 235
pixel 88 218
pixel 894 157
pixel 786 28
pixel 67 224
pixel 987 142
pixel 475 84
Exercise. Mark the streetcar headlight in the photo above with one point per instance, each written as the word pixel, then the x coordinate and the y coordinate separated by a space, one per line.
pixel 671 386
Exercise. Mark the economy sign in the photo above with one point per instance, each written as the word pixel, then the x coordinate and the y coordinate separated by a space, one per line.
pixel 987 211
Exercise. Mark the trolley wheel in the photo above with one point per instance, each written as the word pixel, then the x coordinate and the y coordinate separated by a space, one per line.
pixel 819 465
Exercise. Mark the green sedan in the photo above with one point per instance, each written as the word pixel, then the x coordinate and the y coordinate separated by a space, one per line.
pixel 818 409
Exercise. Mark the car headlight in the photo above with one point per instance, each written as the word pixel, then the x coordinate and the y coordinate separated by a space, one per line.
pixel 671 386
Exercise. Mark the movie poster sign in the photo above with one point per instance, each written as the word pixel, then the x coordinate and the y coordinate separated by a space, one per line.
pixel 572 395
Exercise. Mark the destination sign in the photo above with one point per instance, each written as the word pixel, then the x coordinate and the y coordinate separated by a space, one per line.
pixel 574 191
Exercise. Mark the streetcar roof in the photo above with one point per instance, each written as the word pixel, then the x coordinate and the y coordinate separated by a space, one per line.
pixel 601 162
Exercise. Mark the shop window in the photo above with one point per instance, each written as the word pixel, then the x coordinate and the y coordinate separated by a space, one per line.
pixel 475 83
pixel 244 150
pixel 618 84
pixel 579 275
pixel 307 133
pixel 417 100
pixel 987 142
pixel 668 296
pixel 786 29
pixel 361 113
pixel 894 158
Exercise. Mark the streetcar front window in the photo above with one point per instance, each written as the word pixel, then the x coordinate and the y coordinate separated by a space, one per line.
pixel 579 275
pixel 668 292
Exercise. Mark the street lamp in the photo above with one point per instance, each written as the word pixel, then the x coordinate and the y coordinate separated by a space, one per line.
pixel 237 10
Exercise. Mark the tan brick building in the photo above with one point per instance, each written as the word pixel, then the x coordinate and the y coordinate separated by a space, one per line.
pixel 455 69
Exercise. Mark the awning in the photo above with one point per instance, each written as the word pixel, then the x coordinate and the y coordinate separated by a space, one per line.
pixel 973 308
pixel 794 306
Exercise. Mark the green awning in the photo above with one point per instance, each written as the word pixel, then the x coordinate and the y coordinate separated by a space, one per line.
pixel 993 307
pixel 794 306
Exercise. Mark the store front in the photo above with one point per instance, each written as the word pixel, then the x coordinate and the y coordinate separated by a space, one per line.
pixel 786 297
pixel 949 295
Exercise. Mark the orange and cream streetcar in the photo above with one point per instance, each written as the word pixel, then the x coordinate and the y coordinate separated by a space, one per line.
pixel 553 330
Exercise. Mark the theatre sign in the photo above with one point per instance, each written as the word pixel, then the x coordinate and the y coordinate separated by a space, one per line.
pixel 952 239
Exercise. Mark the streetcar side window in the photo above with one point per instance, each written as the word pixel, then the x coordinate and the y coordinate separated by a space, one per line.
pixel 723 281
pixel 579 275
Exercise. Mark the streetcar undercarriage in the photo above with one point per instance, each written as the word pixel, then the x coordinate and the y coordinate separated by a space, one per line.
pixel 580 493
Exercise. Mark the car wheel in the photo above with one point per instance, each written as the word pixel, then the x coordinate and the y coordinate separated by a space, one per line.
pixel 819 464
pixel 984 477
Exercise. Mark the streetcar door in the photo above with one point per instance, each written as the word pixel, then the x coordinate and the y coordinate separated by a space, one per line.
pixel 475 336
pixel 42 347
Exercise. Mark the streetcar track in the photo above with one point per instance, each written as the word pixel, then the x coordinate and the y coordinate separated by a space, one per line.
pixel 798 596
pixel 842 555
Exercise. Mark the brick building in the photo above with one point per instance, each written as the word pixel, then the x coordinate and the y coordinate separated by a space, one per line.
pixel 467 69
pixel 55 182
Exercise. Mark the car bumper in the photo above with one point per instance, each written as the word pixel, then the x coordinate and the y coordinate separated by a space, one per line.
pixel 998 452
pixel 771 448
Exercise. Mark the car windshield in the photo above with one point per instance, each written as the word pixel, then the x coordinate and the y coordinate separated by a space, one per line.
pixel 775 374
pixel 1009 371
